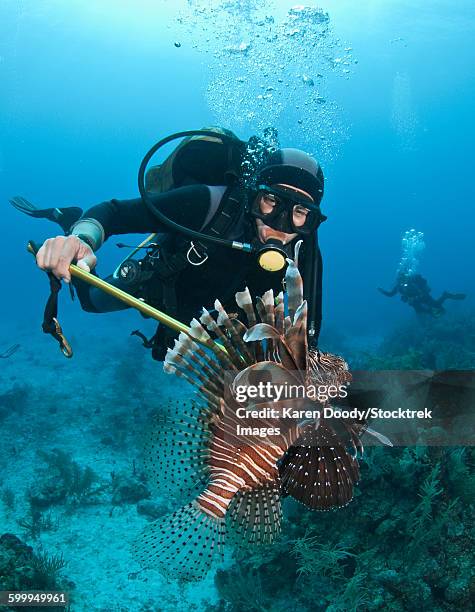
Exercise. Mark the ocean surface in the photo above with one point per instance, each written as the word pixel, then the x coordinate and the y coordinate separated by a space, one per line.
pixel 381 92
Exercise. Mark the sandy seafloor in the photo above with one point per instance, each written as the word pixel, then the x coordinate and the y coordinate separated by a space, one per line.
pixel 96 407
pixel 73 405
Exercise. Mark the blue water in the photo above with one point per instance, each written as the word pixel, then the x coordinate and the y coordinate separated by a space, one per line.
pixel 87 87
pixel 85 93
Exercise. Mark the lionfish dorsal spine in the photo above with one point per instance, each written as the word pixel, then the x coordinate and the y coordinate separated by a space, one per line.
pixel 207 320
pixel 294 283
pixel 244 301
pixel 223 319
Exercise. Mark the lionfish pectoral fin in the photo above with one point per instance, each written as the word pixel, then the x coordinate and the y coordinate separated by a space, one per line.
pixel 379 436
pixel 318 471
pixel 175 449
pixel 182 545
pixel 254 517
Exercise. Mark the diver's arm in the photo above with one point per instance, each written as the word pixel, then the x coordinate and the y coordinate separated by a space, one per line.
pixel 190 206
pixel 187 206
pixel 388 293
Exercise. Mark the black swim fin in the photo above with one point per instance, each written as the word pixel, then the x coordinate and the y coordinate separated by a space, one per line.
pixel 65 217
pixel 454 296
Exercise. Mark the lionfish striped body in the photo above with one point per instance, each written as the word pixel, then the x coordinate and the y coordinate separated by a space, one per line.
pixel 242 479
pixel 237 465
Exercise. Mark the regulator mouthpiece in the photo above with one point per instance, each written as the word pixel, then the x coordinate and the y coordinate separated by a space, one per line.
pixel 271 256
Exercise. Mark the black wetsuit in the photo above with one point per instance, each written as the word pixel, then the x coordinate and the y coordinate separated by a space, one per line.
pixel 415 291
pixel 191 193
pixel 225 271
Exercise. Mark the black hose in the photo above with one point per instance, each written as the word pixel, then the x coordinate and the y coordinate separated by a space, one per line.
pixel 157 213
pixel 313 273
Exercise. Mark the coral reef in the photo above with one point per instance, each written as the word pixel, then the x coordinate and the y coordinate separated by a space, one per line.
pixel 435 344
pixel 64 481
pixel 47 568
pixel 14 400
pixel 405 543
pixel 36 522
pixel 7 495
pixel 22 569
pixel 128 489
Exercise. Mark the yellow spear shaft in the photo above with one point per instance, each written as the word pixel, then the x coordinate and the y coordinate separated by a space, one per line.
pixel 128 299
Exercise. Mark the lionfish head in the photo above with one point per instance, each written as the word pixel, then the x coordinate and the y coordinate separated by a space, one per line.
pixel 326 369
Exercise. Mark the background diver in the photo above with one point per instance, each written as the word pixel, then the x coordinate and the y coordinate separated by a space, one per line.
pixel 415 292
pixel 200 187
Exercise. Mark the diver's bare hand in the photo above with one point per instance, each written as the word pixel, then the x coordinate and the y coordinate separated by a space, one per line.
pixel 58 253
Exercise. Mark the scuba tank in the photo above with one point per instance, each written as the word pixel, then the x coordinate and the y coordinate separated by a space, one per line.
pixel 199 159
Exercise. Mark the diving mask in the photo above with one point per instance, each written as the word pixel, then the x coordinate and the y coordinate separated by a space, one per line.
pixel 286 211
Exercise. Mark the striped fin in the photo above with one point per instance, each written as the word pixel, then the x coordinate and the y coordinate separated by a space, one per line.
pixel 207 320
pixel 279 313
pixel 244 301
pixel 180 361
pixel 186 346
pixel 198 332
pixel 168 368
pixel 207 386
pixel 261 310
pixel 294 283
pixel 282 352
pixel 255 516
pixel 175 449
pixel 296 337
pixel 268 301
pixel 261 331
pixel 223 319
pixel 209 391
pixel 300 316
pixel 318 471
pixel 182 545
pixel 265 308
pixel 241 329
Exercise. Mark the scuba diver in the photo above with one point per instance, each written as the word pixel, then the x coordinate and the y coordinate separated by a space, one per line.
pixel 415 292
pixel 213 233
pixel 412 287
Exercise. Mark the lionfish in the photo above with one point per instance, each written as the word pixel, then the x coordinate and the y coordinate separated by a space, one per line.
pixel 237 483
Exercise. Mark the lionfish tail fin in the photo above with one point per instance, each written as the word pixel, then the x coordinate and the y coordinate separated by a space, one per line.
pixel 182 545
